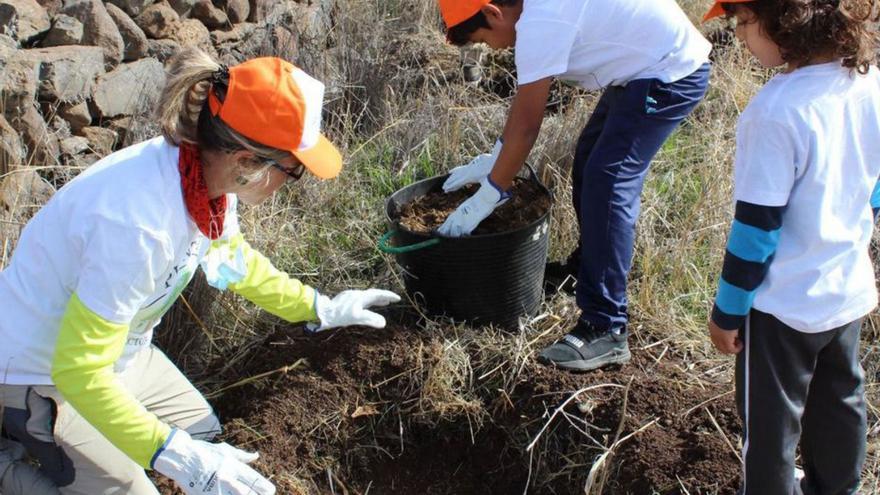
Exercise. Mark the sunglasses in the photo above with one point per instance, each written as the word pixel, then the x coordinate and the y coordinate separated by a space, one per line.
pixel 293 174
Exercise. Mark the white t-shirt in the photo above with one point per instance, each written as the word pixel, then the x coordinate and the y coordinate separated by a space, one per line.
pixel 811 140
pixel 599 43
pixel 119 236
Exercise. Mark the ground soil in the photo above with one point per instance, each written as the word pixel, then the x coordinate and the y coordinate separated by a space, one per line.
pixel 353 419
pixel 426 213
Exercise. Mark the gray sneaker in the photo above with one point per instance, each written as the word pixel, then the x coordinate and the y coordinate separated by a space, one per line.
pixel 586 348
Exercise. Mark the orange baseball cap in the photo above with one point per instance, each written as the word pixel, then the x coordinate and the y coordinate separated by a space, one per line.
pixel 274 103
pixel 717 9
pixel 457 11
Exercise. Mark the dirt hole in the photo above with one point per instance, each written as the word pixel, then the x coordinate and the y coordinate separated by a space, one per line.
pixel 404 410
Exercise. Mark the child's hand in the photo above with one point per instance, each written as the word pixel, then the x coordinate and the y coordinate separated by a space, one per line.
pixel 726 341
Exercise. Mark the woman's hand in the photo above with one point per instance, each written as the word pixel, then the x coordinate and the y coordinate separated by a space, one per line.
pixel 350 308
pixel 203 468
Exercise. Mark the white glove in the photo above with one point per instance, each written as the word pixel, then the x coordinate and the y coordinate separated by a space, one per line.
pixel 474 171
pixel 349 307
pixel 474 210
pixel 201 468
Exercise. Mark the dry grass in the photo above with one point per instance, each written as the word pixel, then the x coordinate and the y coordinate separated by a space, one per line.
pixel 400 113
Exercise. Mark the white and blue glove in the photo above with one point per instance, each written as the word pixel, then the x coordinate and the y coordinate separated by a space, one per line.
pixel 474 171
pixel 203 468
pixel 474 210
pixel 349 307
pixel 223 266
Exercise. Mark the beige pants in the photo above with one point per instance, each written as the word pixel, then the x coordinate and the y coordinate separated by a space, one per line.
pixel 75 458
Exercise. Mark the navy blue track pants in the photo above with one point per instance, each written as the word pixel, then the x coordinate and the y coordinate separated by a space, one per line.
pixel 627 128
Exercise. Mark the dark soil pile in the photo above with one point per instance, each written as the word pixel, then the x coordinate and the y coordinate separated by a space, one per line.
pixel 356 417
pixel 425 214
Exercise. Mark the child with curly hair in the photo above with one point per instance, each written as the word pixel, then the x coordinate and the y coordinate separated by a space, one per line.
pixel 797 279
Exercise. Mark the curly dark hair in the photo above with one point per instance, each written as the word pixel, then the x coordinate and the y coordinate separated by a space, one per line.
pixel 806 29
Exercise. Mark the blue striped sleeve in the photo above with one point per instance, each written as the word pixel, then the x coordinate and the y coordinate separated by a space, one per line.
pixel 754 236
pixel 752 243
pixel 875 200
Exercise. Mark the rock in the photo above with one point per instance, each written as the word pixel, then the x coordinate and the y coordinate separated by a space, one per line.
pixel 157 21
pixel 259 9
pixel 74 145
pixel 59 127
pixel 52 7
pixel 162 50
pixel 67 73
pixel 23 20
pixel 99 28
pixel 263 38
pixel 129 89
pixel 22 192
pixel 101 140
pixel 312 21
pixel 236 10
pixel 18 79
pixel 132 7
pixel 7 42
pixel 133 37
pixel 182 7
pixel 121 126
pixel 234 35
pixel 211 16
pixel 193 33
pixel 283 39
pixel 11 152
pixel 65 30
pixel 41 144
pixel 472 61
pixel 77 115
pixel 80 162
pixel 291 30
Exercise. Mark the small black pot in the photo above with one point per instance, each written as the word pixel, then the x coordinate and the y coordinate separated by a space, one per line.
pixel 490 278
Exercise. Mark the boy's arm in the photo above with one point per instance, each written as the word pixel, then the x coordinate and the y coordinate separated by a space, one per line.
pixel 521 130
pixel 750 249
pixel 875 200
pixel 520 133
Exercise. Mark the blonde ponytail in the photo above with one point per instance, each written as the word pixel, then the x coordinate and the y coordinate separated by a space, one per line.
pixel 183 111
pixel 185 94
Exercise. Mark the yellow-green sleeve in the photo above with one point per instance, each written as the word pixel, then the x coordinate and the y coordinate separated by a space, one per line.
pixel 269 287
pixel 82 370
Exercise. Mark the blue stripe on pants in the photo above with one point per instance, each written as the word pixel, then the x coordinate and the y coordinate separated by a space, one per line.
pixel 627 128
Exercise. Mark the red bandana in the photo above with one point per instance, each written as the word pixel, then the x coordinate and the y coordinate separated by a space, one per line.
pixel 206 212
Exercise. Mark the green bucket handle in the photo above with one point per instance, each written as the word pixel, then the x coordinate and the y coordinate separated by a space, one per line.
pixel 385 248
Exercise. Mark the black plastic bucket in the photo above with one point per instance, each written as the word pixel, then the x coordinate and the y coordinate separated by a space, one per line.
pixel 491 278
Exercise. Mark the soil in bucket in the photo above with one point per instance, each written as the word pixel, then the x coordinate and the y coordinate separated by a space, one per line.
pixel 426 213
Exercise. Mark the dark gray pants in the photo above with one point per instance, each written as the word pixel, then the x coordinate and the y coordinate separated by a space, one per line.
pixel 793 386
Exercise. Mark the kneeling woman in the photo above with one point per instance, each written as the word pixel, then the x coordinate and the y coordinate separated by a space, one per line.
pixel 82 390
